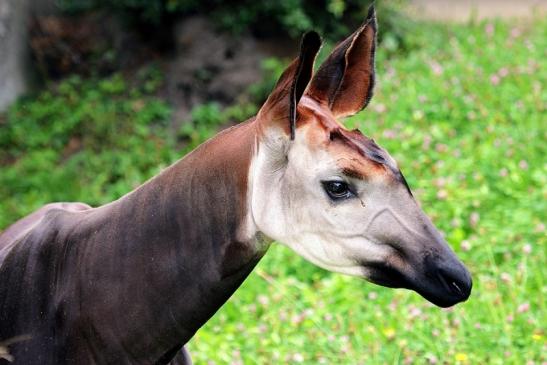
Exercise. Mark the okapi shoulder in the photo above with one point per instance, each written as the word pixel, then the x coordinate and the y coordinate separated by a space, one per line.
pixel 39 228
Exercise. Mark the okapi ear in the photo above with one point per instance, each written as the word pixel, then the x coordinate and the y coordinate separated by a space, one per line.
pixel 292 83
pixel 345 80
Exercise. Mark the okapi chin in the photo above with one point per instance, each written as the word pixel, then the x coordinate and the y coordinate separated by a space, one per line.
pixel 132 281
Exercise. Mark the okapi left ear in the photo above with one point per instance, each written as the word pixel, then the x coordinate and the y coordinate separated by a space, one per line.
pixel 345 80
pixel 283 100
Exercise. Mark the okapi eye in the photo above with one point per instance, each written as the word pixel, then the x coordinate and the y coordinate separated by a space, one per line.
pixel 337 190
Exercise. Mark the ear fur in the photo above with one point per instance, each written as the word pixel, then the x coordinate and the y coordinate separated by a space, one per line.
pixel 345 80
pixel 283 100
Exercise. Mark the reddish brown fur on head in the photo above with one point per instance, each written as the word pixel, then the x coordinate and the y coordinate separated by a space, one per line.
pixel 341 87
pixel 357 155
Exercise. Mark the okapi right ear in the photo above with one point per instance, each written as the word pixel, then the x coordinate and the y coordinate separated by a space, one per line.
pixel 282 103
pixel 345 80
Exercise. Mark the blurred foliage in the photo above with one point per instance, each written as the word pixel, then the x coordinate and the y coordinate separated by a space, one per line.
pixel 95 139
pixel 332 18
pixel 271 69
pixel 207 118
pixel 82 140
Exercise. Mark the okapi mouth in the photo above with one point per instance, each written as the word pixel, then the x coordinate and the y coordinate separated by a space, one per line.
pixel 440 286
pixel 386 275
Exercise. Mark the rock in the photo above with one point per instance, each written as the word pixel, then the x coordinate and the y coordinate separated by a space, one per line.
pixel 83 44
pixel 13 50
pixel 15 65
pixel 209 66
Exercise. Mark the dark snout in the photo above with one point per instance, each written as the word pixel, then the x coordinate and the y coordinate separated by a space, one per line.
pixel 438 276
pixel 445 282
pixel 419 257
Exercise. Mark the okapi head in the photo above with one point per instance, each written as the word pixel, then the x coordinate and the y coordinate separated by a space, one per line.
pixel 333 195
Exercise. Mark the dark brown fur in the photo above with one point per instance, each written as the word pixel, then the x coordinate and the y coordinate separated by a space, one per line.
pixel 127 282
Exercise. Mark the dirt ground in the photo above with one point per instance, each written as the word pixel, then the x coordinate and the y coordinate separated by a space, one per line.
pixel 462 10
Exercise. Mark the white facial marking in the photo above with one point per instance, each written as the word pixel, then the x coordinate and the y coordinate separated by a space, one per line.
pixel 289 205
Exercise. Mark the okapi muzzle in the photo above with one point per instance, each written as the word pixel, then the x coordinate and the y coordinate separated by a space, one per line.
pixel 420 259
pixel 130 282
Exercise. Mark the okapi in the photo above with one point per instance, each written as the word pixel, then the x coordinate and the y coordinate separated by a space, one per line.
pixel 132 281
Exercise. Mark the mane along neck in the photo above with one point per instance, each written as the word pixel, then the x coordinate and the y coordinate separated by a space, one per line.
pixel 181 245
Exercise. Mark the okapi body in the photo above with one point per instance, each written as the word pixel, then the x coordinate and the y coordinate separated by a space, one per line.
pixel 132 281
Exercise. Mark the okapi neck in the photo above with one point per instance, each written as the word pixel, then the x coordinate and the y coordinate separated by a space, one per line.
pixel 180 250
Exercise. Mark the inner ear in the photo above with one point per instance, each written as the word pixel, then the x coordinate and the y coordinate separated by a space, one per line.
pixel 281 105
pixel 311 43
pixel 345 80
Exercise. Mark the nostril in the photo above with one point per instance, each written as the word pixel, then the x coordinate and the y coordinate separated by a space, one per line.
pixel 457 287
pixel 455 282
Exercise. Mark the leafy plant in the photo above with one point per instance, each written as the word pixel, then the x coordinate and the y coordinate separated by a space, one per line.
pixel 208 118
pixel 333 18
pixel 90 140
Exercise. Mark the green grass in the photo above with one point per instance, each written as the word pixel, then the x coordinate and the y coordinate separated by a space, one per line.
pixel 82 140
pixel 464 115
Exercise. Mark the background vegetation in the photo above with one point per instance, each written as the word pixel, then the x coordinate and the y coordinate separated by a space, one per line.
pixel 333 18
pixel 463 112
